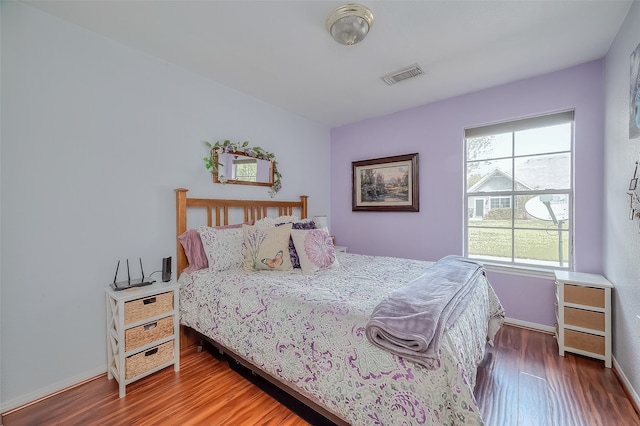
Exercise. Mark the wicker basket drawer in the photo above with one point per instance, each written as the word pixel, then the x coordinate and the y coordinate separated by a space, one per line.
pixel 148 360
pixel 584 341
pixel 139 309
pixel 144 334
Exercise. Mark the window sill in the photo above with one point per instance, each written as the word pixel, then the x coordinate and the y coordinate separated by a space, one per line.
pixel 523 271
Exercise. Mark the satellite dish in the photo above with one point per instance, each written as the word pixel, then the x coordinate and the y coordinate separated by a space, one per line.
pixel 554 208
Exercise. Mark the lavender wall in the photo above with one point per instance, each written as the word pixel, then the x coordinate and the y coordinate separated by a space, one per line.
pixel 436 131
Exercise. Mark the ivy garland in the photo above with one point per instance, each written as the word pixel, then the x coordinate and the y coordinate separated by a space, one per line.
pixel 243 148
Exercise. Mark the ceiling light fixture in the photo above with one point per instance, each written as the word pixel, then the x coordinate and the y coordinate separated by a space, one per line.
pixel 350 23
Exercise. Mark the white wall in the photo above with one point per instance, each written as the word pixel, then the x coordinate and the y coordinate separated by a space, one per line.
pixel 622 236
pixel 95 137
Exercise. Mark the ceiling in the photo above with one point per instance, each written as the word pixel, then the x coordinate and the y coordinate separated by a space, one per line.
pixel 280 51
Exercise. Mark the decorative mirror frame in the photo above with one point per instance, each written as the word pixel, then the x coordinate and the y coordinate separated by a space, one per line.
pixel 237 148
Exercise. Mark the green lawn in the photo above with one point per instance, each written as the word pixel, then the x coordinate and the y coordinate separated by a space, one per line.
pixel 487 239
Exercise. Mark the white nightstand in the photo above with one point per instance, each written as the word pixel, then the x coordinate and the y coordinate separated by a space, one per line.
pixel 583 314
pixel 143 331
pixel 340 248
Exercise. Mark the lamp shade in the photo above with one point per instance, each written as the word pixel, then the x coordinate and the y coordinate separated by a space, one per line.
pixel 321 222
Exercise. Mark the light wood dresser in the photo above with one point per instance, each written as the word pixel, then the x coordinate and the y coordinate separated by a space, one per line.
pixel 583 314
pixel 143 331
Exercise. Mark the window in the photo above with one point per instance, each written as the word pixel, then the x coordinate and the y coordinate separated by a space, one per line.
pixel 500 202
pixel 519 192
pixel 245 169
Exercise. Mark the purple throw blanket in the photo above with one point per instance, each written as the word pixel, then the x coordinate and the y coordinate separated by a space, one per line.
pixel 411 320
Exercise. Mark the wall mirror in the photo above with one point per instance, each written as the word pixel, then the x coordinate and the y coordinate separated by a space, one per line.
pixel 240 168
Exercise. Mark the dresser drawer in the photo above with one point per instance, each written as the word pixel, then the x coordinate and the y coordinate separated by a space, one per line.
pixel 587 296
pixel 584 341
pixel 147 333
pixel 585 319
pixel 140 309
pixel 144 361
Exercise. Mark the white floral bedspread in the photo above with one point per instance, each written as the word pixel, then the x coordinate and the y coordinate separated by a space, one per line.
pixel 308 330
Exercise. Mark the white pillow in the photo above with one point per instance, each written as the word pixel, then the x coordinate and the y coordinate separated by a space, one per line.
pixel 223 247
pixel 315 249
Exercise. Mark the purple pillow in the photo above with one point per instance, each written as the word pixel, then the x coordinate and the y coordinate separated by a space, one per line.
pixel 192 244
pixel 295 259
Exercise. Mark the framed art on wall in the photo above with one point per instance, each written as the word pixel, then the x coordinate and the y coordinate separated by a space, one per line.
pixel 386 184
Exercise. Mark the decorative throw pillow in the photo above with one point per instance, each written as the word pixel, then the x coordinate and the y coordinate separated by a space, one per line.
pixel 315 249
pixel 295 260
pixel 192 245
pixel 272 222
pixel 223 247
pixel 266 248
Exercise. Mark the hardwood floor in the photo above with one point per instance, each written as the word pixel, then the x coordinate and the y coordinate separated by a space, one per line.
pixel 522 381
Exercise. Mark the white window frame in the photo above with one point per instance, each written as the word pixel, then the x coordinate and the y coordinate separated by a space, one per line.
pixel 524 268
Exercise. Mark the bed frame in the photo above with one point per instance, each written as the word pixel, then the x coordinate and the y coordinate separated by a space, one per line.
pixel 253 210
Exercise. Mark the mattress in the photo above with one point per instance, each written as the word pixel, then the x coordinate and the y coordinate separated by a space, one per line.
pixel 308 331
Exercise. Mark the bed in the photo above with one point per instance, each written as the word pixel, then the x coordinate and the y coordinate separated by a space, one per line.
pixel 306 330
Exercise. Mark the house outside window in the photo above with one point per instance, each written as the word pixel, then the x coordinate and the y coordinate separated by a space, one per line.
pixel 519 193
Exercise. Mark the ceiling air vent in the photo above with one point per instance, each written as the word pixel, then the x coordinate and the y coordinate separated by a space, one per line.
pixel 403 74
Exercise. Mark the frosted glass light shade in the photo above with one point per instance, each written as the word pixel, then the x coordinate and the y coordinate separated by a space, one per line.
pixel 349 24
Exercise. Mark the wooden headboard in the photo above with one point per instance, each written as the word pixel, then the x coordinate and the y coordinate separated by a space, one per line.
pixel 220 210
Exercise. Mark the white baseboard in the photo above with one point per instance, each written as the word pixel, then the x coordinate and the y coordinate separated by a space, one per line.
pixel 627 384
pixel 531 325
pixel 49 390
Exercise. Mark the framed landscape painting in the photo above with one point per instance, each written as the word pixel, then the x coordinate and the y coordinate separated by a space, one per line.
pixel 386 184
